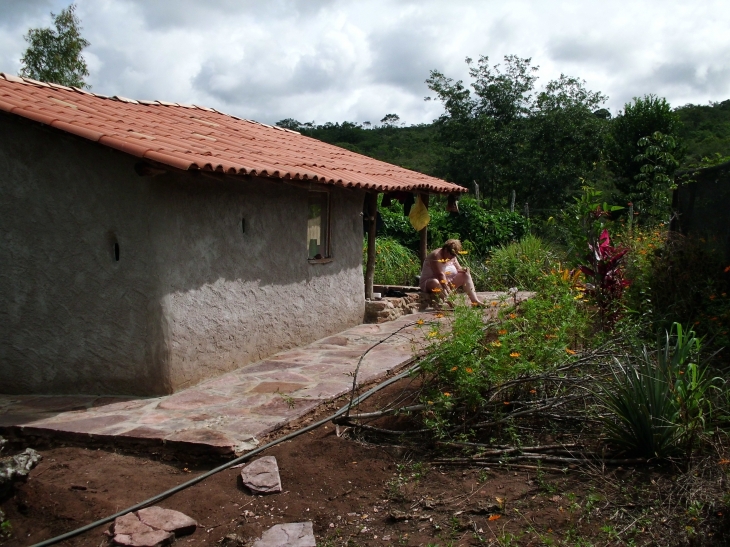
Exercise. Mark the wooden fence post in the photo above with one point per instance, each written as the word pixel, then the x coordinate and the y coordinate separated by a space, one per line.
pixel 371 201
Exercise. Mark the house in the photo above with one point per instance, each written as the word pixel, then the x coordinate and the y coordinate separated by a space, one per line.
pixel 146 246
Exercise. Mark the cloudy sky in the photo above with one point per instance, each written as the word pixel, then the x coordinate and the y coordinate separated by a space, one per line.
pixel 357 60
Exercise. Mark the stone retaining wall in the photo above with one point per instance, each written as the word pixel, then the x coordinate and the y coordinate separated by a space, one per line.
pixel 390 308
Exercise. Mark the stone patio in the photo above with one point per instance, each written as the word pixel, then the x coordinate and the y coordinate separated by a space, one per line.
pixel 228 414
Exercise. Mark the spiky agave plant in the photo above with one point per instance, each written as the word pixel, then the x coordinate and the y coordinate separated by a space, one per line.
pixel 659 402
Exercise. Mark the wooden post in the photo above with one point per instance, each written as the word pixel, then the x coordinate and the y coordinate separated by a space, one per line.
pixel 423 244
pixel 371 200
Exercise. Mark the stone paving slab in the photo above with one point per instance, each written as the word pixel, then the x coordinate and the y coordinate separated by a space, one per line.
pixel 229 413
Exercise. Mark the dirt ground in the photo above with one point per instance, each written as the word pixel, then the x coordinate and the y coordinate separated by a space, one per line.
pixel 356 492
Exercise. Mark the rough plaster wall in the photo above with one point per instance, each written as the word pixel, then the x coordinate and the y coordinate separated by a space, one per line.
pixel 232 298
pixel 73 319
pixel 191 296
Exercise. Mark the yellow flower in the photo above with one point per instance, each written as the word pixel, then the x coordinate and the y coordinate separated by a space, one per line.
pixel 497 344
pixel 463 252
pixel 430 402
pixel 432 334
pixel 469 370
pixel 436 290
pixel 578 297
pixel 442 281
pixel 419 322
pixel 502 331
pixel 439 315
pixel 495 303
pixel 514 354
pixel 442 260
pixel 447 394
pixel 569 351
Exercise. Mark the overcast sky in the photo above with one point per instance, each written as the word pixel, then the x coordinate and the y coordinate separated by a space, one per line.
pixel 335 60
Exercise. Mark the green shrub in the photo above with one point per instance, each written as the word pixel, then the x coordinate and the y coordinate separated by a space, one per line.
pixel 521 264
pixel 394 263
pixel 659 402
pixel 468 362
pixel 478 229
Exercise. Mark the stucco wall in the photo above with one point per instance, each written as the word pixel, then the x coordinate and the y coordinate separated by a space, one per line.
pixel 191 295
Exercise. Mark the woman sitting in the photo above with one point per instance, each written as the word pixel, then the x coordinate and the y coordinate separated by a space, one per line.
pixel 441 270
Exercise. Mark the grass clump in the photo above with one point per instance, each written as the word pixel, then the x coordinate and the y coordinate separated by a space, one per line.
pixel 395 264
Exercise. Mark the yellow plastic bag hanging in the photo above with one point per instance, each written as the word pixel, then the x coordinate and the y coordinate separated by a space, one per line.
pixel 419 216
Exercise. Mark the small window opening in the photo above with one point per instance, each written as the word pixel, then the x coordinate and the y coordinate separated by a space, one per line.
pixel 318 226
pixel 116 251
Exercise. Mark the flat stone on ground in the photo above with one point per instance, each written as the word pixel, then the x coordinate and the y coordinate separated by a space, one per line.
pixel 144 539
pixel 295 534
pixel 262 476
pixel 168 520
pixel 130 524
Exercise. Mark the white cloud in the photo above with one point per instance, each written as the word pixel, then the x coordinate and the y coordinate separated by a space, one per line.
pixel 334 60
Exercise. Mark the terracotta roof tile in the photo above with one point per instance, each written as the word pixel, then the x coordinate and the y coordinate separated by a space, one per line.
pixel 192 137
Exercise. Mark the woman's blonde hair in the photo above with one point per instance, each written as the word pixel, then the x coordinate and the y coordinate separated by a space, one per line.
pixel 453 246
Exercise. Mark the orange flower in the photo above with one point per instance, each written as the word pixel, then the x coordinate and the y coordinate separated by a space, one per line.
pixel 439 315
pixel 727 269
pixel 442 281
pixel 502 331
pixel 494 517
pixel 454 368
pixel 533 391
pixel 494 303
pixel 506 402
pixel 569 351
pixel 514 354
pixel 447 394
pixel 723 462
pixel 469 370
pixel 419 322
pixel 712 297
pixel 512 315
pixel 436 290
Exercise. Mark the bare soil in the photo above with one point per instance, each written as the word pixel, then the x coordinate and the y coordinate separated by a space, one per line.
pixel 356 491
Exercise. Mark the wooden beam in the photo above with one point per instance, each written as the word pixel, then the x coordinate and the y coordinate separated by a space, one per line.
pixel 423 244
pixel 371 201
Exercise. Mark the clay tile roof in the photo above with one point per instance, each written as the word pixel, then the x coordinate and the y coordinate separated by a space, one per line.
pixel 192 137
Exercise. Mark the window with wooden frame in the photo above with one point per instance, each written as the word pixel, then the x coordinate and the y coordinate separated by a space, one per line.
pixel 318 226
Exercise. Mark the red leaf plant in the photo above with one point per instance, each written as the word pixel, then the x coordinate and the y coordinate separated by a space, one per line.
pixel 605 276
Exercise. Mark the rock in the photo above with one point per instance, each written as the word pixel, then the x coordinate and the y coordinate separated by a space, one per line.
pixel 262 476
pixel 296 534
pixel 144 539
pixel 130 524
pixel 168 520
pixel 18 466
pixel 151 526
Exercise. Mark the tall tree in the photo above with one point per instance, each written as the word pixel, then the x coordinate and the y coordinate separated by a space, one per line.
pixel 640 118
pixel 504 135
pixel 55 55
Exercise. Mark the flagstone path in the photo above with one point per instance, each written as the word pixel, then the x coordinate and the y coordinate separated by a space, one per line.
pixel 228 414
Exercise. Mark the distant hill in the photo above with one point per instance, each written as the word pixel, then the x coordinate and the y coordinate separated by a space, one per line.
pixel 705 134
pixel 706 130
pixel 415 147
